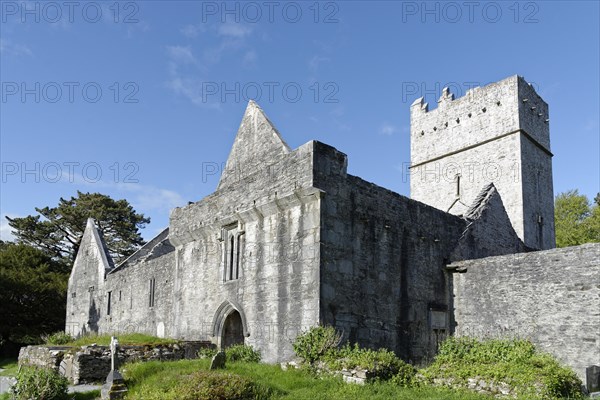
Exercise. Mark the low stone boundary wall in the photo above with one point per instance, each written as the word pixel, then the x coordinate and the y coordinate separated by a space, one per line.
pixel 91 363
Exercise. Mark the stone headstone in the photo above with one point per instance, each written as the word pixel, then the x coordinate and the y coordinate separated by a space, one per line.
pixel 114 388
pixel 592 378
pixel 114 344
pixel 218 361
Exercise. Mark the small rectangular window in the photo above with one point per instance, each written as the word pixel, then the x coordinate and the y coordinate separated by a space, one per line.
pixel 151 297
pixel 119 295
pixel 73 295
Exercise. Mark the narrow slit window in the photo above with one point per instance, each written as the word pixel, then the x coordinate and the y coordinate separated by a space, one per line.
pixel 151 296
pixel 237 257
pixel 457 185
pixel 108 303
pixel 231 245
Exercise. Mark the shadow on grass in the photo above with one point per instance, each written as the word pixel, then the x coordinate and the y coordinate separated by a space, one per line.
pixel 93 395
pixel 9 367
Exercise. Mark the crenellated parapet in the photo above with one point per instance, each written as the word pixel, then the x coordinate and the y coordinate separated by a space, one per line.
pixel 484 113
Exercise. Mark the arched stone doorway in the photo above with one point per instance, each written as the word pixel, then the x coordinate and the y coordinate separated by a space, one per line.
pixel 233 330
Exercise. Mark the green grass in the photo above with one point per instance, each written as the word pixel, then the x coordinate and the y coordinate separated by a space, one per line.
pixel 10 367
pixel 162 379
pixel 124 339
pixel 93 395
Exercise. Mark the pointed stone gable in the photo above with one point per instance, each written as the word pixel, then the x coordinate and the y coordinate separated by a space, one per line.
pixel 93 242
pixel 489 231
pixel 257 144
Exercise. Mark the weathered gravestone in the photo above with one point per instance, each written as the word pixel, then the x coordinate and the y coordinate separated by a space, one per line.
pixel 114 388
pixel 218 361
pixel 592 378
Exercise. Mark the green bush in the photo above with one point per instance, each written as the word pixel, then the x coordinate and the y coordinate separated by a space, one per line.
pixel 209 385
pixel 207 352
pixel 406 376
pixel 242 352
pixel 39 384
pixel 515 362
pixel 58 338
pixel 382 364
pixel 315 343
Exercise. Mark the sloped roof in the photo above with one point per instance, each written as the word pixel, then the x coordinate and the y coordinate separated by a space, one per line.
pixel 481 201
pixel 155 247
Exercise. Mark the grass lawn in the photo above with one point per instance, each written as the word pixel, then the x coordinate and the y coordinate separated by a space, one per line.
pixel 125 339
pixel 159 380
pixel 93 395
pixel 9 366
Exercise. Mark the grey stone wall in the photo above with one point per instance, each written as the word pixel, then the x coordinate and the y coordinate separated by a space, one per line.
pixel 92 363
pixel 130 290
pixel 551 297
pixel 277 292
pixel 383 255
pixel 498 133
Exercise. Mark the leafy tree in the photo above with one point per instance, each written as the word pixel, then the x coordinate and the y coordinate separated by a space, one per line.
pixel 58 230
pixel 33 290
pixel 576 220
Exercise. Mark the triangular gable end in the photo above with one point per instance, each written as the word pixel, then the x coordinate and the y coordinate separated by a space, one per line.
pixel 489 231
pixel 91 231
pixel 257 144
pixel 93 260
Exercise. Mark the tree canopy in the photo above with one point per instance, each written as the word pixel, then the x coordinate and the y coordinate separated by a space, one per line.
pixel 33 290
pixel 58 230
pixel 576 220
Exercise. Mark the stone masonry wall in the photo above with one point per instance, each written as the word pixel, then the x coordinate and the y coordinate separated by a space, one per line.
pixel 275 212
pixel 551 297
pixel 382 262
pixel 92 363
pixel 130 289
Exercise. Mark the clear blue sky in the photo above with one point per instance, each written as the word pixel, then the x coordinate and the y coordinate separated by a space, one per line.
pixel 175 77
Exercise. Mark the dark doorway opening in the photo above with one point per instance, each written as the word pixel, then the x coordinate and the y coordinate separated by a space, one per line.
pixel 233 330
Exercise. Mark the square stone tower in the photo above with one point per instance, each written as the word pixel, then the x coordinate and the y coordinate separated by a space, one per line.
pixel 498 133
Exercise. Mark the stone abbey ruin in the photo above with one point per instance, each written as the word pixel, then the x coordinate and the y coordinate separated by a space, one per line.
pixel 290 240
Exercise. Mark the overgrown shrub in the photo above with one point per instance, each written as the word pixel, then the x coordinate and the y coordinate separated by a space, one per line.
pixel 515 362
pixel 382 363
pixel 207 352
pixel 242 352
pixel 39 384
pixel 58 338
pixel 406 376
pixel 210 385
pixel 313 344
